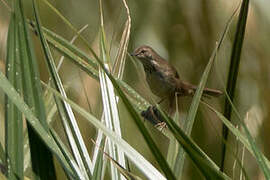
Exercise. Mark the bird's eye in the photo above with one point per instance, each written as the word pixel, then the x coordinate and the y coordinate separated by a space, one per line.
pixel 143 51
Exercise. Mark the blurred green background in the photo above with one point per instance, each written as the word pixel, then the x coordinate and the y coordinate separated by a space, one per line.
pixel 183 32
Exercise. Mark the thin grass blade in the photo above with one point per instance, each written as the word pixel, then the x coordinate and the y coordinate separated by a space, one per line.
pixel 236 132
pixel 163 164
pixel 67 155
pixel 110 103
pixel 99 162
pixel 233 70
pixel 69 121
pixel 206 166
pixel 131 153
pixel 261 160
pixel 32 93
pixel 13 117
pixel 128 175
pixel 88 65
pixel 188 124
pixel 42 133
pixel 75 31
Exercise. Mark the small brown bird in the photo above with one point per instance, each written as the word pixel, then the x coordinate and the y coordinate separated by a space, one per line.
pixel 163 78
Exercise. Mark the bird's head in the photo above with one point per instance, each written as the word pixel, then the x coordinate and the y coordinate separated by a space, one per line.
pixel 144 53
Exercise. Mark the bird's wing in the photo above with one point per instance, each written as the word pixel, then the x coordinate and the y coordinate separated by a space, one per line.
pixel 167 72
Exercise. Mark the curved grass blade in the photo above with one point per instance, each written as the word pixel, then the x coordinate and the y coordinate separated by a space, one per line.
pixel 75 31
pixel 157 154
pixel 50 36
pixel 107 99
pixel 32 93
pixel 151 144
pixel 119 62
pixel 188 124
pixel 74 135
pixel 244 140
pixel 78 57
pixel 97 174
pixel 110 104
pixel 128 175
pixel 150 171
pixel 258 155
pixel 118 67
pixel 43 134
pixel 67 155
pixel 233 70
pixel 206 166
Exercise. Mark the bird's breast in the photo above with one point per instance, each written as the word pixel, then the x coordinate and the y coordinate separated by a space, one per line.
pixel 159 84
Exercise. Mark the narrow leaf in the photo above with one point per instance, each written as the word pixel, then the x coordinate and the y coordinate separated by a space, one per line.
pixel 12 94
pixel 233 70
pixel 13 117
pixel 75 137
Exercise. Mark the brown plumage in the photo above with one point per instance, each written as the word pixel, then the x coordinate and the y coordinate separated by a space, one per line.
pixel 163 78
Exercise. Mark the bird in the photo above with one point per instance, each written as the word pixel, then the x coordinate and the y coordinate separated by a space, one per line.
pixel 163 79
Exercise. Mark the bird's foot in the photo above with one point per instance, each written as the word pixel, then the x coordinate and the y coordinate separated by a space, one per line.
pixel 153 116
pixel 161 125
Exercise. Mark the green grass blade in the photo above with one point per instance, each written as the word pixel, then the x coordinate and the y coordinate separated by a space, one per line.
pixel 118 71
pixel 118 67
pixel 97 174
pixel 151 144
pixel 74 56
pixel 261 160
pixel 53 37
pixel 247 141
pixel 88 65
pixel 130 152
pixel 13 117
pixel 33 97
pixel 78 57
pixel 107 106
pixel 243 139
pixel 188 124
pixel 77 143
pixel 43 134
pixel 67 155
pixel 83 39
pixel 108 116
pixel 206 166
pixel 109 99
pixel 233 70
pixel 128 175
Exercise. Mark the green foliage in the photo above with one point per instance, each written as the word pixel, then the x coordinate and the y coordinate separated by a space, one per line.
pixel 125 146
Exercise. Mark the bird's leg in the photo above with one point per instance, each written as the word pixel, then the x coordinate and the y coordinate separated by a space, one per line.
pixel 171 110
pixel 152 115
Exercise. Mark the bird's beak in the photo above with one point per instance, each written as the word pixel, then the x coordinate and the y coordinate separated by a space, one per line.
pixel 133 54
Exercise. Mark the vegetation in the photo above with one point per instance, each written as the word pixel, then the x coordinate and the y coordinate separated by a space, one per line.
pixel 72 96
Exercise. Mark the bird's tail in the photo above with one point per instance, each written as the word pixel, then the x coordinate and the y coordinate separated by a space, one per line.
pixel 212 92
pixel 206 92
